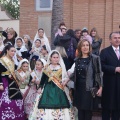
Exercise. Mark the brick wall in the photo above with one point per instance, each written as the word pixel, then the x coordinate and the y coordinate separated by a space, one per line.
pixel 29 17
pixel 102 14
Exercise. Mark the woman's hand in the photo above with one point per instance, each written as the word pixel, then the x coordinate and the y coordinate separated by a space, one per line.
pixel 64 82
pixel 39 90
pixel 1 87
pixel 99 92
pixel 37 82
pixel 33 80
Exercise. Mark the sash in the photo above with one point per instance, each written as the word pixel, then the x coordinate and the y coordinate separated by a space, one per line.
pixel 55 77
pixel 10 66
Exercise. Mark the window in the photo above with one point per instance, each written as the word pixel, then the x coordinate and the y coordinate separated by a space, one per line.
pixel 47 26
pixel 43 5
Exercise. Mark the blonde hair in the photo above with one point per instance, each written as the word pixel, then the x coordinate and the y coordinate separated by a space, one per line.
pixel 62 51
pixel 80 46
pixel 11 31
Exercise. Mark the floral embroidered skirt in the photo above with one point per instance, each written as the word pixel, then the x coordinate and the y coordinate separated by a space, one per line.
pixel 29 100
pixel 10 109
pixel 50 114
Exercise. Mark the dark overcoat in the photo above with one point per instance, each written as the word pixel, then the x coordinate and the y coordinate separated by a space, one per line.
pixel 111 79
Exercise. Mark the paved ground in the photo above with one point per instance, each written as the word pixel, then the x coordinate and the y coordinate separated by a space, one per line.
pixel 96 118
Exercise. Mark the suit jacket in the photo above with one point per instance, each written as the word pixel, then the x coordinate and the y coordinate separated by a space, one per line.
pixel 111 80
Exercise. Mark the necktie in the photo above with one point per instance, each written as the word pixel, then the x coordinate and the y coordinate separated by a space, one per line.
pixel 117 53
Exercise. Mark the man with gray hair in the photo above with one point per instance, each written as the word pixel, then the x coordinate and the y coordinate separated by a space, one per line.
pixel 110 61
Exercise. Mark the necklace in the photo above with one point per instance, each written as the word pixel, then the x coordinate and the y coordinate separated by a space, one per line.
pixel 53 66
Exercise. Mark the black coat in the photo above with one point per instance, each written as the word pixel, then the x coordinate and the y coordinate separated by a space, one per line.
pixel 93 78
pixel 93 73
pixel 111 80
pixel 65 41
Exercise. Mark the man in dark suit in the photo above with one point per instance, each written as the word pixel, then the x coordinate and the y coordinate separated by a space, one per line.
pixel 110 61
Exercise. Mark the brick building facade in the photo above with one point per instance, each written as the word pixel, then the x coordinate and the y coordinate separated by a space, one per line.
pixel 102 14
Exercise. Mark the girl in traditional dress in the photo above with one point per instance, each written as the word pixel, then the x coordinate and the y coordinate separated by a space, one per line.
pixel 36 75
pixel 44 53
pixel 23 75
pixel 53 103
pixel 44 40
pixel 11 100
pixel 21 50
pixel 35 52
pixel 1 44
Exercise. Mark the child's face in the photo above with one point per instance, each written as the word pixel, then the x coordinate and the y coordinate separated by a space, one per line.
pixel 40 32
pixel 19 43
pixel 38 65
pixel 54 59
pixel 25 67
pixel 37 43
pixel 85 33
pixel 43 51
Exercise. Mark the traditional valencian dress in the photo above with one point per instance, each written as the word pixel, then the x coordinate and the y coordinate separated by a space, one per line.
pixel 11 100
pixel 53 103
pixel 22 51
pixel 24 86
pixel 34 55
pixel 44 41
pixel 30 98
